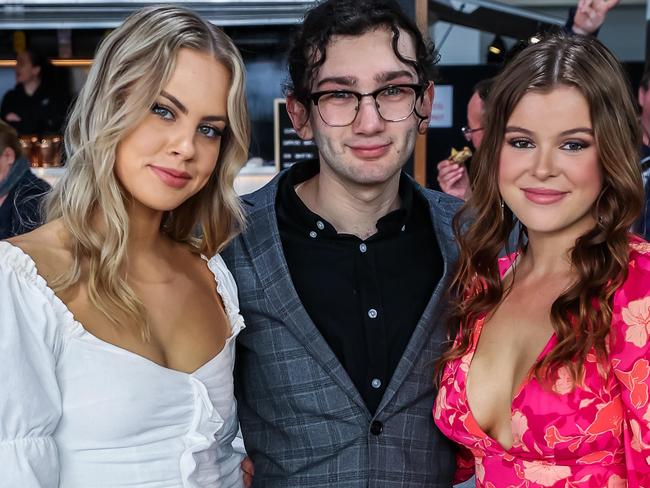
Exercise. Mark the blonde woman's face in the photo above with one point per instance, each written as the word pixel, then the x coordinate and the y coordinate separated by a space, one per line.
pixel 170 155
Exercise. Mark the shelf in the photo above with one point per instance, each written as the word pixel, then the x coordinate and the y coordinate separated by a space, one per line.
pixel 67 14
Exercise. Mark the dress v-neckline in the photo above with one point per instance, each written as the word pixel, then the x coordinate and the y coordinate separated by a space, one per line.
pixel 526 380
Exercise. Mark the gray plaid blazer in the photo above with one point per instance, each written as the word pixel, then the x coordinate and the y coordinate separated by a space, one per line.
pixel 304 423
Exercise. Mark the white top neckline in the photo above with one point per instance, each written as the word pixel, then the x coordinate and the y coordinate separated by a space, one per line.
pixel 78 328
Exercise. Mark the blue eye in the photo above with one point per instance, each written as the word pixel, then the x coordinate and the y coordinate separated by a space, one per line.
pixel 392 91
pixel 341 95
pixel 210 131
pixel 162 112
pixel 574 146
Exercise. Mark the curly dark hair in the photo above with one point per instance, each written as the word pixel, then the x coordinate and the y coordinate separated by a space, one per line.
pixel 350 18
pixel 600 256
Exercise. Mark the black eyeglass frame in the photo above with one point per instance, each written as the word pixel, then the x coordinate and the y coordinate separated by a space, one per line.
pixel 418 88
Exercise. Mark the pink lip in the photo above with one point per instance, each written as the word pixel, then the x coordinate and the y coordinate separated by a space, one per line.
pixel 171 177
pixel 543 196
pixel 370 151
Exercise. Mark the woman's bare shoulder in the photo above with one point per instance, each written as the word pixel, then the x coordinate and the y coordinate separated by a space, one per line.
pixel 49 247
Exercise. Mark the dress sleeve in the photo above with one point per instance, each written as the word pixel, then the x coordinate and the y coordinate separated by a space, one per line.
pixel 630 360
pixel 30 400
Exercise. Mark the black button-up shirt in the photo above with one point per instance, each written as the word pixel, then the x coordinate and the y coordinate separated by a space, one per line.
pixel 364 296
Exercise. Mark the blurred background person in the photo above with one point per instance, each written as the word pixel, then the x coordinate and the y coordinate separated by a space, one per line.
pixel 21 192
pixel 37 105
pixel 453 177
pixel 643 225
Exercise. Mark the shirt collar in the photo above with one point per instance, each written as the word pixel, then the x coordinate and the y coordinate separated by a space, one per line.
pixel 299 215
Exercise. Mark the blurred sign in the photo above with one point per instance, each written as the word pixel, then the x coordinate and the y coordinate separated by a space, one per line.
pixel 443 107
pixel 289 147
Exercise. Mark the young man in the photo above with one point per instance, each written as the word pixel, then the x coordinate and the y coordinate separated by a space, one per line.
pixel 343 267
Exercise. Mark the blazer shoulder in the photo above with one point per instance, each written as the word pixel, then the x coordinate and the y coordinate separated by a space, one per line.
pixel 261 197
pixel 440 199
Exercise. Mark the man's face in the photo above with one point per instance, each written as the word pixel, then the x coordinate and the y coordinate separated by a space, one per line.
pixel 370 151
pixel 475 119
pixel 25 70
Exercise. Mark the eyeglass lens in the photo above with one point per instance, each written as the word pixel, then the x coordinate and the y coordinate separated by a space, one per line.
pixel 393 103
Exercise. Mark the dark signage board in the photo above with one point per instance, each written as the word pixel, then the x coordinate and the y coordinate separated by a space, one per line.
pixel 289 148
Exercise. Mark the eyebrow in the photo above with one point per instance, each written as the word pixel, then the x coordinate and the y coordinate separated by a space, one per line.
pixel 183 108
pixel 575 130
pixel 380 78
pixel 392 75
pixel 339 80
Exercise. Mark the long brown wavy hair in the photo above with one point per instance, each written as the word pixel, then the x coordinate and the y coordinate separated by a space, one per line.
pixel 581 315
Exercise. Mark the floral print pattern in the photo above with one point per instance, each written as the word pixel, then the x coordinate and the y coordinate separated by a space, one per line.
pixel 595 434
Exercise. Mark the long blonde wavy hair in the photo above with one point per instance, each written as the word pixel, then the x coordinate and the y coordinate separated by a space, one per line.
pixel 132 66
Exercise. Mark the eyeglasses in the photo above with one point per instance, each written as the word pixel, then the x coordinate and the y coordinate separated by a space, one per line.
pixel 394 103
pixel 467 132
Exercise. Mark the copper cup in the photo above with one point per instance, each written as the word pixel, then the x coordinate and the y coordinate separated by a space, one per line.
pixel 28 146
pixel 49 149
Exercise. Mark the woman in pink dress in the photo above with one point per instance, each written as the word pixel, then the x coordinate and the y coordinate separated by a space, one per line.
pixel 547 381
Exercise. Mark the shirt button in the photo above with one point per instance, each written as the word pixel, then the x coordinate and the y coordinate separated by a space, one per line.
pixel 363 247
pixel 372 313
pixel 320 225
pixel 376 427
pixel 313 234
pixel 376 383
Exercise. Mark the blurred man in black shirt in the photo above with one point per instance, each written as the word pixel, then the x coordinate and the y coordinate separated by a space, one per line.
pixel 34 106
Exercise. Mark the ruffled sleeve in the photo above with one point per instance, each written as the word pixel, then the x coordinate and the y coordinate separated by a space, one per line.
pixel 30 400
pixel 227 289
pixel 630 360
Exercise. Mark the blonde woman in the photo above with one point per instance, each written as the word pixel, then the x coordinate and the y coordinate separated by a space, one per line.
pixel 116 336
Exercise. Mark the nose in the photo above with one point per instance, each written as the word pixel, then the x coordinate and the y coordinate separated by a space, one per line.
pixel 368 120
pixel 543 165
pixel 183 143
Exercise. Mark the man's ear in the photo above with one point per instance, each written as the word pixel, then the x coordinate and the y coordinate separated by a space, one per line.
pixel 299 116
pixel 427 100
pixel 423 108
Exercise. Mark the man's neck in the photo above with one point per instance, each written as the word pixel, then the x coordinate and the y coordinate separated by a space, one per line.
pixel 350 208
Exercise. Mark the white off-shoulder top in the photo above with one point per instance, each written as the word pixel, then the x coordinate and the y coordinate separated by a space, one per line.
pixel 78 412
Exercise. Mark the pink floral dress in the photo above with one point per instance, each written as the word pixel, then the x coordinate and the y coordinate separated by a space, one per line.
pixel 595 435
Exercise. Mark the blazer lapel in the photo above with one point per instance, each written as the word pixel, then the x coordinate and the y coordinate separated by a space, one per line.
pixel 442 214
pixel 262 241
